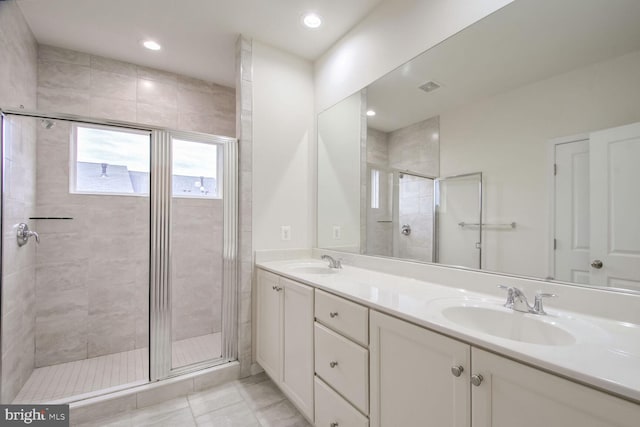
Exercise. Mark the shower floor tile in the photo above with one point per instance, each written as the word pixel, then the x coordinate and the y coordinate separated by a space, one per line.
pixel 196 349
pixel 119 370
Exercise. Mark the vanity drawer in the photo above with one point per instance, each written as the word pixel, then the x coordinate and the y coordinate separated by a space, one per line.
pixel 346 317
pixel 332 409
pixel 344 365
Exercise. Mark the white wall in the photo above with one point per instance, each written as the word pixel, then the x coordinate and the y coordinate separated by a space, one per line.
pixel 395 32
pixel 283 145
pixel 505 137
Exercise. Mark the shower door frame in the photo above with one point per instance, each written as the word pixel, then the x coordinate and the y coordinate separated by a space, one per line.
pixel 160 244
pixel 436 240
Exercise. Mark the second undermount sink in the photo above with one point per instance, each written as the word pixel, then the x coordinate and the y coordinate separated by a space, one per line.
pixel 506 323
pixel 311 268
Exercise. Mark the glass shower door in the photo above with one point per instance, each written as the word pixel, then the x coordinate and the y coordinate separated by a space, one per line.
pixel 197 249
pixel 458 207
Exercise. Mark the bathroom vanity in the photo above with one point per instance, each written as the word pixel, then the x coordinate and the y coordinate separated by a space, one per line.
pixel 357 347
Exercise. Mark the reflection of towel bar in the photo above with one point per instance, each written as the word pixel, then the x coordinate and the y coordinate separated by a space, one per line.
pixel 475 224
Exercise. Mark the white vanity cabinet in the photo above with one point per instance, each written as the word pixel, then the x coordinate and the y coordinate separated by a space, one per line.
pixel 419 377
pixel 513 394
pixel 412 383
pixel 284 337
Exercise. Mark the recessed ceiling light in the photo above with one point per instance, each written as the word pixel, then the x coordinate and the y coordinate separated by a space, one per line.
pixel 151 45
pixel 371 113
pixel 312 20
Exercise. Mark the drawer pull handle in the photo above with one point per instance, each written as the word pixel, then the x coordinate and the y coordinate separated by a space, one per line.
pixel 476 380
pixel 334 424
pixel 333 314
pixel 333 364
pixel 276 288
pixel 457 370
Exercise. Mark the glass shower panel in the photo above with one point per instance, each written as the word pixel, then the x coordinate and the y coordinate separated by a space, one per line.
pixel 458 206
pixel 414 228
pixel 197 249
pixel 75 296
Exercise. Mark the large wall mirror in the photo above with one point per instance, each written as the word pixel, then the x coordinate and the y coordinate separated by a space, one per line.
pixel 513 147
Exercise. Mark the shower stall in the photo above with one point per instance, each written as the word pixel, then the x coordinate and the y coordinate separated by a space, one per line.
pixel 119 245
pixel 417 217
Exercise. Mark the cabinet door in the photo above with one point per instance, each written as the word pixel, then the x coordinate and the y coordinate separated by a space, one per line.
pixel 297 374
pixel 411 379
pixel 512 394
pixel 269 324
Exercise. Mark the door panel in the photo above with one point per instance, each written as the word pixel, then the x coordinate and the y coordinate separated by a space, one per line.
pixel 615 206
pixel 572 212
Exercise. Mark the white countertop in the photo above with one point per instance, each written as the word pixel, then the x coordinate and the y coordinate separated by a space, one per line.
pixel 605 355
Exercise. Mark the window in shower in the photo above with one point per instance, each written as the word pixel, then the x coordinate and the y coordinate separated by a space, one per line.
pixel 195 169
pixel 109 160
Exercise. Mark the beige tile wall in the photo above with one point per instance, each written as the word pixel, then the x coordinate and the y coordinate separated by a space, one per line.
pixel 196 267
pixel 379 233
pixel 79 83
pixel 95 268
pixel 244 132
pixel 17 88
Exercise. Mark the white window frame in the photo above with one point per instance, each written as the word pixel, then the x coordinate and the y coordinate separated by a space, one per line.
pixel 201 139
pixel 73 158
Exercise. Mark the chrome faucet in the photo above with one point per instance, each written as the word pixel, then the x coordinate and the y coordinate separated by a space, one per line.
pixel 333 263
pixel 517 300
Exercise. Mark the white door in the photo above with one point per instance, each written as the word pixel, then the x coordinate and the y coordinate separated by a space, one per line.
pixel 297 371
pixel 514 395
pixel 615 207
pixel 572 224
pixel 412 384
pixel 269 324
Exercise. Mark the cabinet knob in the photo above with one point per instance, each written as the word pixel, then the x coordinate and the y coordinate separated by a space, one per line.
pixel 333 314
pixel 597 264
pixel 277 288
pixel 274 287
pixel 457 370
pixel 476 380
pixel 334 424
pixel 333 364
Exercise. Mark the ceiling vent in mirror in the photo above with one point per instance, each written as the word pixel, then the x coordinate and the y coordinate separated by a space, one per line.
pixel 430 86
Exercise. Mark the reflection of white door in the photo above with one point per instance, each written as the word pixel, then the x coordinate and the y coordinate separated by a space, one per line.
pixel 572 212
pixel 615 206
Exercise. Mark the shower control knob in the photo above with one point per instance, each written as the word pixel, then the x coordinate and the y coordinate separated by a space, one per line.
pixel 333 314
pixel 457 370
pixel 597 264
pixel 476 380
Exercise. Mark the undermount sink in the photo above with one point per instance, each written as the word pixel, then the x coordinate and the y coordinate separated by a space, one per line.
pixel 506 323
pixel 310 268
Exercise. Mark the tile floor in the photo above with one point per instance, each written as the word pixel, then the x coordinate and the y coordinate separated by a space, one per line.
pixel 250 402
pixel 92 376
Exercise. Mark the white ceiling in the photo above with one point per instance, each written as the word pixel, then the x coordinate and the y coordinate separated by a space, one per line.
pixel 198 36
pixel 525 42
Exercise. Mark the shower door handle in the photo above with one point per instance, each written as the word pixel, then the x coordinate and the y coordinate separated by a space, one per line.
pixel 24 233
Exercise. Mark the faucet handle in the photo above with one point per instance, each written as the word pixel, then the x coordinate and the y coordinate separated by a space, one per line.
pixel 510 296
pixel 538 308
